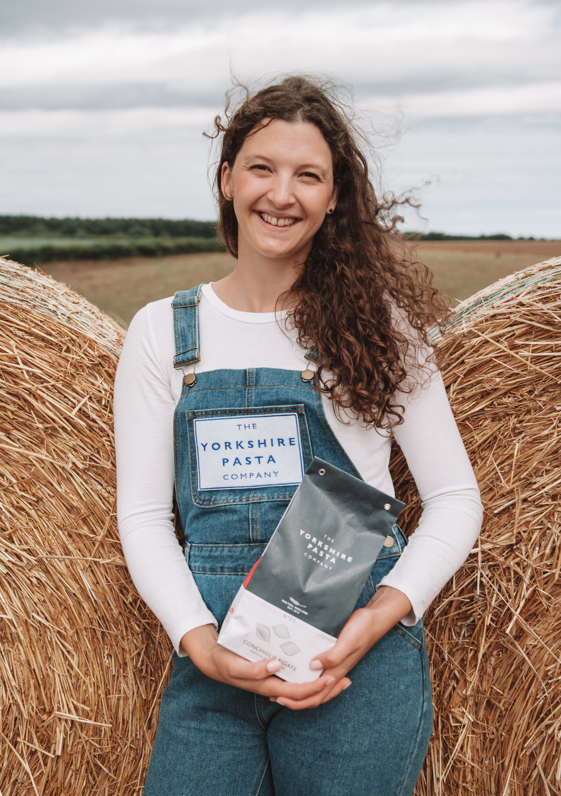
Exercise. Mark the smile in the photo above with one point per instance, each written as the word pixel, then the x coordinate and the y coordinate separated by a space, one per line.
pixel 278 222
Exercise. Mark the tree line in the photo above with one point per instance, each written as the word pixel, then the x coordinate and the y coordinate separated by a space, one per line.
pixel 443 236
pixel 38 226
pixel 163 247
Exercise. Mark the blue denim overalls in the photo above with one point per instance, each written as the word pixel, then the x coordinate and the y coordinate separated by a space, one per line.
pixel 217 739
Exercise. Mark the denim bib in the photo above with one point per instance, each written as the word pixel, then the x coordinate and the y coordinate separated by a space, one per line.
pixel 225 463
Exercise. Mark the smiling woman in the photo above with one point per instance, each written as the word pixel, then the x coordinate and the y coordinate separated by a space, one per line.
pixel 314 346
pixel 281 186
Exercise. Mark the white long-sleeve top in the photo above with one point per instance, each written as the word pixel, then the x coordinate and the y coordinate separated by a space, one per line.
pixel 147 390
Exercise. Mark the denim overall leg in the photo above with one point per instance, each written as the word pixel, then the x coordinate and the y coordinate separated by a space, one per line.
pixel 217 739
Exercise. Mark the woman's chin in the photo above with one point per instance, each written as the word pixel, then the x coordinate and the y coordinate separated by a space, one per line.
pixel 278 250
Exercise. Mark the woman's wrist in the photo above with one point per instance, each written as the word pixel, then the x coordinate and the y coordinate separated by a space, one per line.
pixel 388 607
pixel 198 639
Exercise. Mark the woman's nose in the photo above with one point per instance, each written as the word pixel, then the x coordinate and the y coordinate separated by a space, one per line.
pixel 281 191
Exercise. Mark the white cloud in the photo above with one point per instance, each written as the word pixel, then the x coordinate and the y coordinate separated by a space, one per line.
pixel 378 44
pixel 102 125
pixel 497 100
pixel 108 119
pixel 104 163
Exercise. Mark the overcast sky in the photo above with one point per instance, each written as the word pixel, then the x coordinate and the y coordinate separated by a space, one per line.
pixel 102 106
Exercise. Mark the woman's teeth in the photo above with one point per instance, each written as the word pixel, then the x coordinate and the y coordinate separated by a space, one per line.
pixel 277 222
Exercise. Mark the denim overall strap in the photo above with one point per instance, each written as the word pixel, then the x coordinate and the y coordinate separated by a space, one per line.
pixel 186 334
pixel 186 327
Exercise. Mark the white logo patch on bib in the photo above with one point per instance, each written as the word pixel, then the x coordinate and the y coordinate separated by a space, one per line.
pixel 248 451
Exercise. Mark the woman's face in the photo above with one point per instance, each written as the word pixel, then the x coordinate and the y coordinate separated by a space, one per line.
pixel 282 187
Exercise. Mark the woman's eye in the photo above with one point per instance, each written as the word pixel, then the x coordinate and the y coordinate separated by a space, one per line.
pixel 260 166
pixel 310 174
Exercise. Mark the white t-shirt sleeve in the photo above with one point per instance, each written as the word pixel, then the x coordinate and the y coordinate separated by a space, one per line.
pixel 144 408
pixel 452 511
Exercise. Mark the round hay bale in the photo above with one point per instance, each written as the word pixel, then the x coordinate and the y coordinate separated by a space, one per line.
pixel 82 660
pixel 494 633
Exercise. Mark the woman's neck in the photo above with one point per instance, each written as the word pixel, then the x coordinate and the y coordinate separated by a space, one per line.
pixel 255 286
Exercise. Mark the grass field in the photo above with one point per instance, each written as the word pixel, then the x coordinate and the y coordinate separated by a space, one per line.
pixel 462 268
pixel 8 242
pixel 121 287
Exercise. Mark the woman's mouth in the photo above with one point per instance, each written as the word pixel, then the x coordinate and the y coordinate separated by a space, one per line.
pixel 278 222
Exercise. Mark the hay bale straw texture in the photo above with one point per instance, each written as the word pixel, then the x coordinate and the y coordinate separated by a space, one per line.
pixel 82 660
pixel 494 633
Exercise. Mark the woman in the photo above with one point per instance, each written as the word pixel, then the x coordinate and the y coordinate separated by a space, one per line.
pixel 325 314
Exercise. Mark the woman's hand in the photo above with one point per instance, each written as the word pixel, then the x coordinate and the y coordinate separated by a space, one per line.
pixel 201 644
pixel 363 629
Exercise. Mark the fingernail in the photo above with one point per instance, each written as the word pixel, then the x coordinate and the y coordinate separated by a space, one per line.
pixel 329 680
pixel 316 665
pixel 348 684
pixel 280 702
pixel 274 666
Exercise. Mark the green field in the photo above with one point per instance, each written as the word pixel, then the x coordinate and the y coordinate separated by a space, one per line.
pixel 122 287
pixel 8 242
pixel 38 250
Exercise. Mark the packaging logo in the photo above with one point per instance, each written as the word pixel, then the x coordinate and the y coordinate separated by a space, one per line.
pixel 322 552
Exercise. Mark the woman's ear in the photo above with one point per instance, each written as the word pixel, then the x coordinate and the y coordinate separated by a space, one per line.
pixel 226 181
pixel 333 200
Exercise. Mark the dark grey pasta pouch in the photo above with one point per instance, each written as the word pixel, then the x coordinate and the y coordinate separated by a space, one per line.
pixel 298 596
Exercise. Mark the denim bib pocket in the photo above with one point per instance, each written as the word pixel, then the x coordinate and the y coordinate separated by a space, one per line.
pixel 256 458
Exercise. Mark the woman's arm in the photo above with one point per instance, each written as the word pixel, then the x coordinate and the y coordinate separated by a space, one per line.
pixel 452 511
pixel 363 629
pixel 144 408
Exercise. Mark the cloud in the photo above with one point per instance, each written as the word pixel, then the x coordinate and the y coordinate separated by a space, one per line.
pixel 376 48
pixel 483 101
pixel 120 163
pixel 99 101
pixel 37 18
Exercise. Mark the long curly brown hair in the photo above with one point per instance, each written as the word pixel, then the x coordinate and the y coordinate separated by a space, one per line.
pixel 360 280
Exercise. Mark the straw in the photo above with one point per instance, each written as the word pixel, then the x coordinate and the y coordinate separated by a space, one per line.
pixel 82 660
pixel 494 633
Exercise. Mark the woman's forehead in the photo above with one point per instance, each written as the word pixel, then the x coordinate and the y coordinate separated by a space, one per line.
pixel 294 139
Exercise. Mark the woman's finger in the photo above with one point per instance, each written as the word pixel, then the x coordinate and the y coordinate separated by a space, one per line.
pixel 343 651
pixel 258 677
pixel 238 669
pixel 299 691
pixel 274 688
pixel 318 699
pixel 354 640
